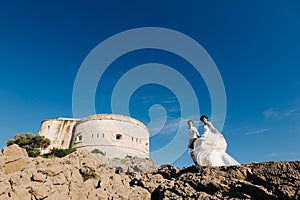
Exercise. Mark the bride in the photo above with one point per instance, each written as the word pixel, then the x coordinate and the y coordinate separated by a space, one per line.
pixel 210 149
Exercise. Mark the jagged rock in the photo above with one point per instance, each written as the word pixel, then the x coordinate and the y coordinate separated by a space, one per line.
pixel 128 164
pixel 82 176
pixel 138 193
pixel 14 151
pixel 5 186
pixel 168 171
pixel 21 193
pixel 38 177
pixel 15 159
pixel 40 191
pixel 268 180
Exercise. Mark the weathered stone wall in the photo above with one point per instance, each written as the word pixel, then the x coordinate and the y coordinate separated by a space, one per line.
pixel 114 135
pixel 59 131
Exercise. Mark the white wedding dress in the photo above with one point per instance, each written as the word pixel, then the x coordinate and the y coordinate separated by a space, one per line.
pixel 210 149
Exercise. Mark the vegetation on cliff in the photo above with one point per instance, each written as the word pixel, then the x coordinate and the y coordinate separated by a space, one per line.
pixel 55 152
pixel 34 144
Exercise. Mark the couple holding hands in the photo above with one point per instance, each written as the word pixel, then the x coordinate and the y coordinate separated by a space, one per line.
pixel 210 148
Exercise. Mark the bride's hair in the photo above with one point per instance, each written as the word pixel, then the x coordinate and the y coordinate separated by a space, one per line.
pixel 203 116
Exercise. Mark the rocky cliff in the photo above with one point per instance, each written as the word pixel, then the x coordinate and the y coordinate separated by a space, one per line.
pixel 82 176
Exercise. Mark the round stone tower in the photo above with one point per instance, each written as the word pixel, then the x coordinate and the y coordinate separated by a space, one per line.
pixel 115 136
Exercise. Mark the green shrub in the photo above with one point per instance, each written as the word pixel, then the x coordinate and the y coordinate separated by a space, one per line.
pixel 97 151
pixel 55 152
pixel 33 154
pixel 32 143
pixel 128 156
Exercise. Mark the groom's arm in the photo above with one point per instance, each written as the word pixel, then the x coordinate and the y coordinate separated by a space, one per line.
pixel 196 131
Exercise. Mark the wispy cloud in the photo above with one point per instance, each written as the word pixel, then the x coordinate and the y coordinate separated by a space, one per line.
pixel 173 124
pixel 285 155
pixel 147 99
pixel 273 154
pixel 279 114
pixel 290 109
pixel 170 100
pixel 259 131
pixel 270 112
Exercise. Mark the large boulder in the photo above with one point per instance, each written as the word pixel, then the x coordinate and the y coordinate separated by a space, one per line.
pixel 14 151
pixel 15 159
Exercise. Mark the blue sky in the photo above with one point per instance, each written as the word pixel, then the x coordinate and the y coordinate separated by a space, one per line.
pixel 254 44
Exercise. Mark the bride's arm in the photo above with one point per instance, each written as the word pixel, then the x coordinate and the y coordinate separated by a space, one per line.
pixel 213 128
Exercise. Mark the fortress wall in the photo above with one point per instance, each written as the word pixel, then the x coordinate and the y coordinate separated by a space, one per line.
pixel 114 135
pixel 59 131
pixel 115 117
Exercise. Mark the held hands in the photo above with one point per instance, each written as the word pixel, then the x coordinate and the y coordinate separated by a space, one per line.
pixel 199 137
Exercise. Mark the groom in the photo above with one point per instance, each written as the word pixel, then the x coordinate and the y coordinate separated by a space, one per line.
pixel 193 135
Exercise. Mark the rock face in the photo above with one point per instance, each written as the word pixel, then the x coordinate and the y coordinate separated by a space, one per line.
pixel 81 176
pixel 268 180
pixel 16 159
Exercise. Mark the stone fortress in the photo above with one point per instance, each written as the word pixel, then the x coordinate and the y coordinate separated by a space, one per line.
pixel 112 135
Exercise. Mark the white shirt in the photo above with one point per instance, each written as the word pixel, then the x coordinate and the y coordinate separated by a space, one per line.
pixel 193 132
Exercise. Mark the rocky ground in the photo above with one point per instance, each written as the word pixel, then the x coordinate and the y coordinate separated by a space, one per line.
pixel 81 176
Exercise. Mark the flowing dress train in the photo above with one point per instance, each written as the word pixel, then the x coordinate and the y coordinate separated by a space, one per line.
pixel 210 150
